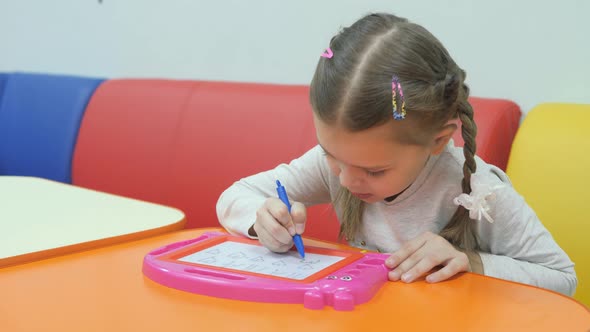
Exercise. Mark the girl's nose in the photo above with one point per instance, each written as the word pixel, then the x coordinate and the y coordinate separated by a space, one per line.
pixel 350 177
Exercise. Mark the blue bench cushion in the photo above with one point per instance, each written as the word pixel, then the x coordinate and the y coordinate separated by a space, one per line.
pixel 39 120
pixel 3 77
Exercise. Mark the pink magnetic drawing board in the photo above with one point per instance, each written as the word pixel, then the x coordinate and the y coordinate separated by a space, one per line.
pixel 222 265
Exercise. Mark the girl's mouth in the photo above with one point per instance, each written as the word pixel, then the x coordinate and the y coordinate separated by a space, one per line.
pixel 361 196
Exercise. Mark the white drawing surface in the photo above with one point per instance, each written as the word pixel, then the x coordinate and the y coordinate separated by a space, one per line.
pixel 253 258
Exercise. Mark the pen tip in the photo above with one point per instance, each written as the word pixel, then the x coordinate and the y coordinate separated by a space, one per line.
pixel 299 245
pixel 278 183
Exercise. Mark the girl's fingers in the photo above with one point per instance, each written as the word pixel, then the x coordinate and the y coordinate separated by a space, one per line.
pixel 416 258
pixel 279 211
pixel 425 264
pixel 455 266
pixel 266 225
pixel 270 242
pixel 405 251
pixel 434 251
pixel 299 216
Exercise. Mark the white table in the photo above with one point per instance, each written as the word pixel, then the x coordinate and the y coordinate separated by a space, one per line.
pixel 40 218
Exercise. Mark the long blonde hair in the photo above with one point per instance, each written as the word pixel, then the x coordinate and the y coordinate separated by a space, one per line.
pixel 353 89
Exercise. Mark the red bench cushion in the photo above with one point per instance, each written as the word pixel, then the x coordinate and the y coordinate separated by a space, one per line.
pixel 497 121
pixel 181 143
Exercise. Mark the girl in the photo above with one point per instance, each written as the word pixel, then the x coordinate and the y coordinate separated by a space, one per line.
pixel 387 98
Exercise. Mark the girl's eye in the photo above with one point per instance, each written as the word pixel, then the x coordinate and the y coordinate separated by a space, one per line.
pixel 376 174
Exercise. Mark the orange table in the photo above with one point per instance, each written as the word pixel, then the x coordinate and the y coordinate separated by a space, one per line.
pixel 105 290
pixel 40 218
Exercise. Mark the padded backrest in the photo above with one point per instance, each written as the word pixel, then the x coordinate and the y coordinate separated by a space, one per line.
pixel 549 166
pixel 181 143
pixel 497 121
pixel 3 77
pixel 39 121
pixel 128 138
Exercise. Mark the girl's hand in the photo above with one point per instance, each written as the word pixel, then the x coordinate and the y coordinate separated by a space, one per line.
pixel 274 225
pixel 420 255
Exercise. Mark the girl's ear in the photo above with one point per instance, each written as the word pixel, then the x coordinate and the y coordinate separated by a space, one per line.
pixel 442 137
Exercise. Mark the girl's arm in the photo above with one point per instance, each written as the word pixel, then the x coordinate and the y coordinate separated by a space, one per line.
pixel 305 179
pixel 517 247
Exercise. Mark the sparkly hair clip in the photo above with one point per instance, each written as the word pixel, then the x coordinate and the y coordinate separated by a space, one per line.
pixel 396 89
pixel 328 53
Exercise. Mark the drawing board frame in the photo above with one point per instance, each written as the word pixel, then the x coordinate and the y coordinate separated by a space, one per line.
pixel 353 278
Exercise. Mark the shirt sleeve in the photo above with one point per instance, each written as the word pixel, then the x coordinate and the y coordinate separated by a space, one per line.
pixel 517 247
pixel 306 180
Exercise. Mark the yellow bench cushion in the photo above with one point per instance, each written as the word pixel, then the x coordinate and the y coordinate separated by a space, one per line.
pixel 549 165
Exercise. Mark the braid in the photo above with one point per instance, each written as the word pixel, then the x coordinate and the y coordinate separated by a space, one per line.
pixel 460 230
pixel 450 89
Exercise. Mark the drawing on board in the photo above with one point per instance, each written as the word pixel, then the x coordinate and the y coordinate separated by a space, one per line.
pixel 253 258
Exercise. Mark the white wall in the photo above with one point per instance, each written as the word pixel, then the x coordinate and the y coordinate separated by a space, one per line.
pixel 527 51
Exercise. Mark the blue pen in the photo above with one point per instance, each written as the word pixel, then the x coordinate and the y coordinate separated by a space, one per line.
pixel 296 238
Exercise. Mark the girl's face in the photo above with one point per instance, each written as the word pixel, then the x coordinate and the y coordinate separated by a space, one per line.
pixel 370 163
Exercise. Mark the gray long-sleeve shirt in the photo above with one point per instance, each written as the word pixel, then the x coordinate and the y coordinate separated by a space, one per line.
pixel 516 246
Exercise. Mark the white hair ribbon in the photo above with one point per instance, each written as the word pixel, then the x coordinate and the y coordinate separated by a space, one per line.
pixel 478 201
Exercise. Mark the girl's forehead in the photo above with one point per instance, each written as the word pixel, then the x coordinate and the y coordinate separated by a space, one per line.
pixel 380 135
pixel 371 148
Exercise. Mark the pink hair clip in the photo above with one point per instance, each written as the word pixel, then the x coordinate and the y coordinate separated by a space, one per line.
pixel 328 53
